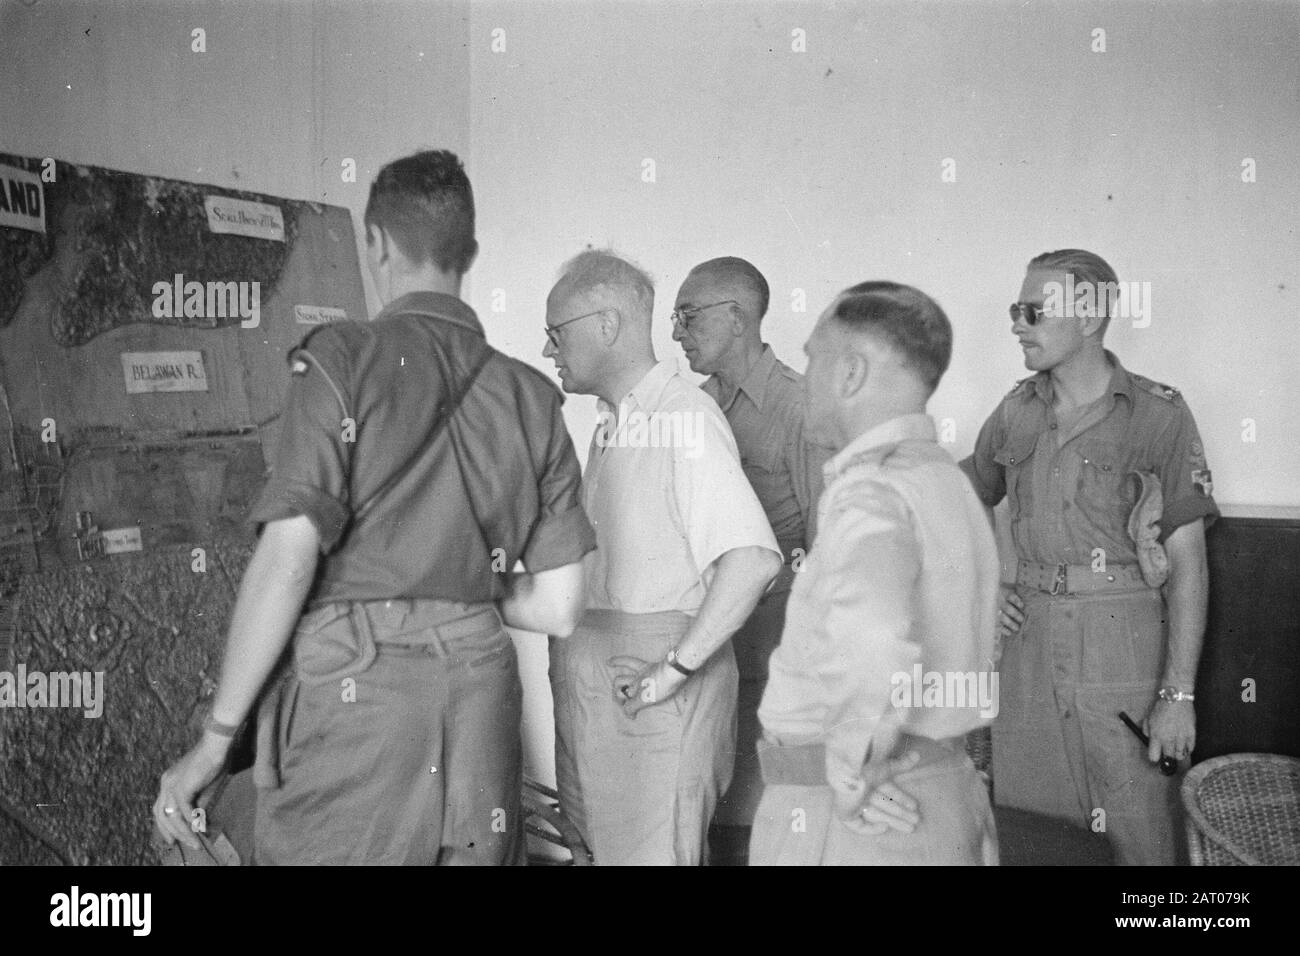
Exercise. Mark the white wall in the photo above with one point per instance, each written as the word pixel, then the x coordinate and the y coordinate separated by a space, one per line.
pixel 283 94
pixel 822 167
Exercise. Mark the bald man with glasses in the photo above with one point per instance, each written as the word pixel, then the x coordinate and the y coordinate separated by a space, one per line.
pixel 645 688
pixel 716 319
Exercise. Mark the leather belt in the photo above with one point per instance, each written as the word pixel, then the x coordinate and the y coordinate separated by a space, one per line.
pixel 1058 579
pixel 804 765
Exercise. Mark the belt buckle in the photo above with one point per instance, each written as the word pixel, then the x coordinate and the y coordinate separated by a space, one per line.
pixel 1059 582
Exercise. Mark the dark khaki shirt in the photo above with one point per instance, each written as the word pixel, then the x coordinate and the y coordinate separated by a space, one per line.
pixel 1070 492
pixel 765 412
pixel 500 483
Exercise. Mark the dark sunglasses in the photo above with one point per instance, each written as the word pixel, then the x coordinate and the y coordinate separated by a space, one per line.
pixel 1032 314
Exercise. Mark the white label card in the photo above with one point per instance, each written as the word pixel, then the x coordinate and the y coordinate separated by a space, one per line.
pixel 118 540
pixel 240 217
pixel 22 199
pixel 164 372
pixel 317 314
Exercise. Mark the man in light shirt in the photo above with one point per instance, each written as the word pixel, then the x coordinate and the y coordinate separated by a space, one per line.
pixel 645 688
pixel 887 657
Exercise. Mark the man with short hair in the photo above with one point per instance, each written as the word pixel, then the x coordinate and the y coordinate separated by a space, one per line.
pixel 1085 452
pixel 416 466
pixel 716 319
pixel 645 689
pixel 886 662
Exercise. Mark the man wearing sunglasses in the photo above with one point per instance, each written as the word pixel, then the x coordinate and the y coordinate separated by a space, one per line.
pixel 716 320
pixel 1081 450
pixel 645 688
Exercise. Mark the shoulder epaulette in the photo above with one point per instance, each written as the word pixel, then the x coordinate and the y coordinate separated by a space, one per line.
pixel 1167 392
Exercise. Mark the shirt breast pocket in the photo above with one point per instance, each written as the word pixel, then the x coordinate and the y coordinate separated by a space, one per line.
pixel 762 465
pixel 1106 491
pixel 1015 457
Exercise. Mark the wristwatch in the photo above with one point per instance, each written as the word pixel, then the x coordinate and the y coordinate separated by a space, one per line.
pixel 1174 695
pixel 677 665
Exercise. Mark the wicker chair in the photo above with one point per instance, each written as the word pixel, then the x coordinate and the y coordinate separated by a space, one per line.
pixel 979 747
pixel 544 819
pixel 1244 810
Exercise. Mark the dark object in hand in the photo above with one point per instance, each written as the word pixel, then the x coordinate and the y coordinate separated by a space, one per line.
pixel 1168 765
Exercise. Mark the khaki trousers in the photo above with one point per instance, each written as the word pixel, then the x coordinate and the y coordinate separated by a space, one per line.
pixel 396 740
pixel 796 824
pixel 643 790
pixel 1059 747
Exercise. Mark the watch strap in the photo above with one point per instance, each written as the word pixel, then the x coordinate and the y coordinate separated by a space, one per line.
pixel 677 665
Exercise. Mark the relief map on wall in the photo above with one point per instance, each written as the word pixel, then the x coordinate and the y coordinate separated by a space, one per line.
pixel 144 327
pixel 126 228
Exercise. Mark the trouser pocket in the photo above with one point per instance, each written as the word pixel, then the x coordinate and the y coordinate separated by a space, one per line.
pixel 331 643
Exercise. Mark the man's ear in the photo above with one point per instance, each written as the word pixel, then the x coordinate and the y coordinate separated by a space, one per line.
pixel 737 321
pixel 1093 324
pixel 851 373
pixel 611 323
pixel 473 255
pixel 377 239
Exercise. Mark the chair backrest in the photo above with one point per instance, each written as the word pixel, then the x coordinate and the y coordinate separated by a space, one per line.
pixel 1243 810
pixel 546 820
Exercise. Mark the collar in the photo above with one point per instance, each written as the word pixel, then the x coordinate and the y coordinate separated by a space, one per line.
pixel 879 441
pixel 754 384
pixel 434 305
pixel 647 392
pixel 1121 381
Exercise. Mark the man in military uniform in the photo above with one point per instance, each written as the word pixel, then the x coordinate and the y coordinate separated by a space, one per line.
pixel 416 466
pixel 1087 632
pixel 716 319
pixel 902 581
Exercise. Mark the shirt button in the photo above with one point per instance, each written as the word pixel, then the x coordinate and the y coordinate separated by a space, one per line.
pixel 1053 426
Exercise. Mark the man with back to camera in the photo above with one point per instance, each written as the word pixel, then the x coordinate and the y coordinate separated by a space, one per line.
pixel 716 319
pixel 860 765
pixel 414 458
pixel 645 689
pixel 1086 454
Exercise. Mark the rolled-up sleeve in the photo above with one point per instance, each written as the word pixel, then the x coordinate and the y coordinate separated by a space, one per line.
pixel 717 504
pixel 562 534
pixel 987 477
pixel 310 474
pixel 1184 475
